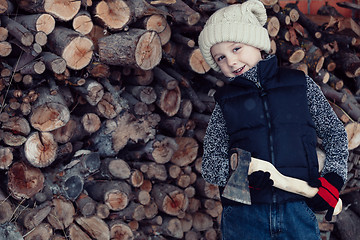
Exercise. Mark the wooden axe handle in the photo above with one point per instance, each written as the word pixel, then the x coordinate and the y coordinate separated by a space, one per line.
pixel 288 184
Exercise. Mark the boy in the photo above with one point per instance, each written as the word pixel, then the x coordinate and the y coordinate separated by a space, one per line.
pixel 275 114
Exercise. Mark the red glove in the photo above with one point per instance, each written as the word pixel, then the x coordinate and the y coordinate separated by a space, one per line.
pixel 328 194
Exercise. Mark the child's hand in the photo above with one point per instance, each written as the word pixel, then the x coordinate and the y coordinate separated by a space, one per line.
pixel 328 194
pixel 259 180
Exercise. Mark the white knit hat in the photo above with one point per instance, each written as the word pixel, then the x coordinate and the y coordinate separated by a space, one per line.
pixel 235 23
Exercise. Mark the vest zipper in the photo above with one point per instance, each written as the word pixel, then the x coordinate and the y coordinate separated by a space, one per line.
pixel 267 114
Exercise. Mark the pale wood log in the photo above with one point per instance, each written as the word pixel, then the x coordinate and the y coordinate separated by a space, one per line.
pixel 99 70
pixel 70 132
pixel 63 10
pixel 145 94
pixel 115 194
pixel 12 140
pixel 40 149
pixel 170 199
pixel 49 111
pixel 136 47
pixel 143 197
pixel 137 107
pixel 91 90
pixel 75 232
pixel 151 210
pixel 173 126
pixel 182 13
pixel 62 213
pixel 6 208
pixel 18 125
pixel 24 181
pixel 86 205
pixel 95 227
pixel 33 68
pixel 113 98
pixel 114 134
pixel 42 232
pixel 114 168
pixel 5 48
pixel 186 152
pixel 290 53
pixel 152 170
pixel 136 178
pixel 167 81
pixel 353 132
pixel 134 211
pixel 332 94
pixel 53 62
pixel 273 26
pixel 206 189
pixel 82 22
pixel 348 62
pixel 4 33
pixel 187 89
pixel 202 221
pixel 17 30
pixel 102 210
pixel 117 15
pixel 75 48
pixel 314 58
pixel 40 38
pixel 168 100
pixel 192 235
pixel 192 59
pixel 91 122
pixel 31 218
pixel 43 22
pixel 120 230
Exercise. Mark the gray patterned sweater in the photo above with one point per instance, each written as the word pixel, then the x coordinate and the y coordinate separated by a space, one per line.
pixel 328 128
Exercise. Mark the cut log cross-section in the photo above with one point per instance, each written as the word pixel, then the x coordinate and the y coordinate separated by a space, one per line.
pixel 72 46
pixel 24 181
pixel 63 10
pixel 137 47
pixel 49 111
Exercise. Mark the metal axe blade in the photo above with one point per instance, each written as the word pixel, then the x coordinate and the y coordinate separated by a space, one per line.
pixel 237 187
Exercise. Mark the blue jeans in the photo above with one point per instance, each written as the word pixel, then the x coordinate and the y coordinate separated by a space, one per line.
pixel 286 221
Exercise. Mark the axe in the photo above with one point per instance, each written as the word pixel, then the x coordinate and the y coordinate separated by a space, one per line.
pixel 242 164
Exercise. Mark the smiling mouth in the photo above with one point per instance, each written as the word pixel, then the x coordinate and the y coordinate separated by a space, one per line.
pixel 239 70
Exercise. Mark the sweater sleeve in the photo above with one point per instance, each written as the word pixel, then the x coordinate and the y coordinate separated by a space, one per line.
pixel 215 164
pixel 330 130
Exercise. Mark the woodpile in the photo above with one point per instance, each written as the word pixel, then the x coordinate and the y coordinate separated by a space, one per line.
pixel 104 106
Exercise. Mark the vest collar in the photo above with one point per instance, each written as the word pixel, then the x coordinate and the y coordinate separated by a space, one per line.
pixel 265 69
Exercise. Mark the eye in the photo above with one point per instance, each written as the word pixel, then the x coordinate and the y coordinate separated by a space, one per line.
pixel 220 58
pixel 236 49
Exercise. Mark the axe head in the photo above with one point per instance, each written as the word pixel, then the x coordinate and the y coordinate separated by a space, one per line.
pixel 237 187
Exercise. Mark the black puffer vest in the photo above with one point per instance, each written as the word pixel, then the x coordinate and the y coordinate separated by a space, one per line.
pixel 271 120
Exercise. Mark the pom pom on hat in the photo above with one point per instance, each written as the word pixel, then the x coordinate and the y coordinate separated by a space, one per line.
pixel 235 23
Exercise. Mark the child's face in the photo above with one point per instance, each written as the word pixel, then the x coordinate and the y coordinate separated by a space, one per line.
pixel 235 58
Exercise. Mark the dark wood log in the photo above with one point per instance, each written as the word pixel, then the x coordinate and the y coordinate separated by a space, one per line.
pixel 18 31
pixel 41 22
pixel 109 140
pixel 143 49
pixel 95 227
pixel 64 11
pixel 75 48
pixel 115 194
pixel 170 199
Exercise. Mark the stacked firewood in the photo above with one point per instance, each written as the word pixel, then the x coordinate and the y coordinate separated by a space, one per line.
pixel 104 106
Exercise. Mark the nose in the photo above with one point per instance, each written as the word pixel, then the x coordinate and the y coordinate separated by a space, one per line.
pixel 231 60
